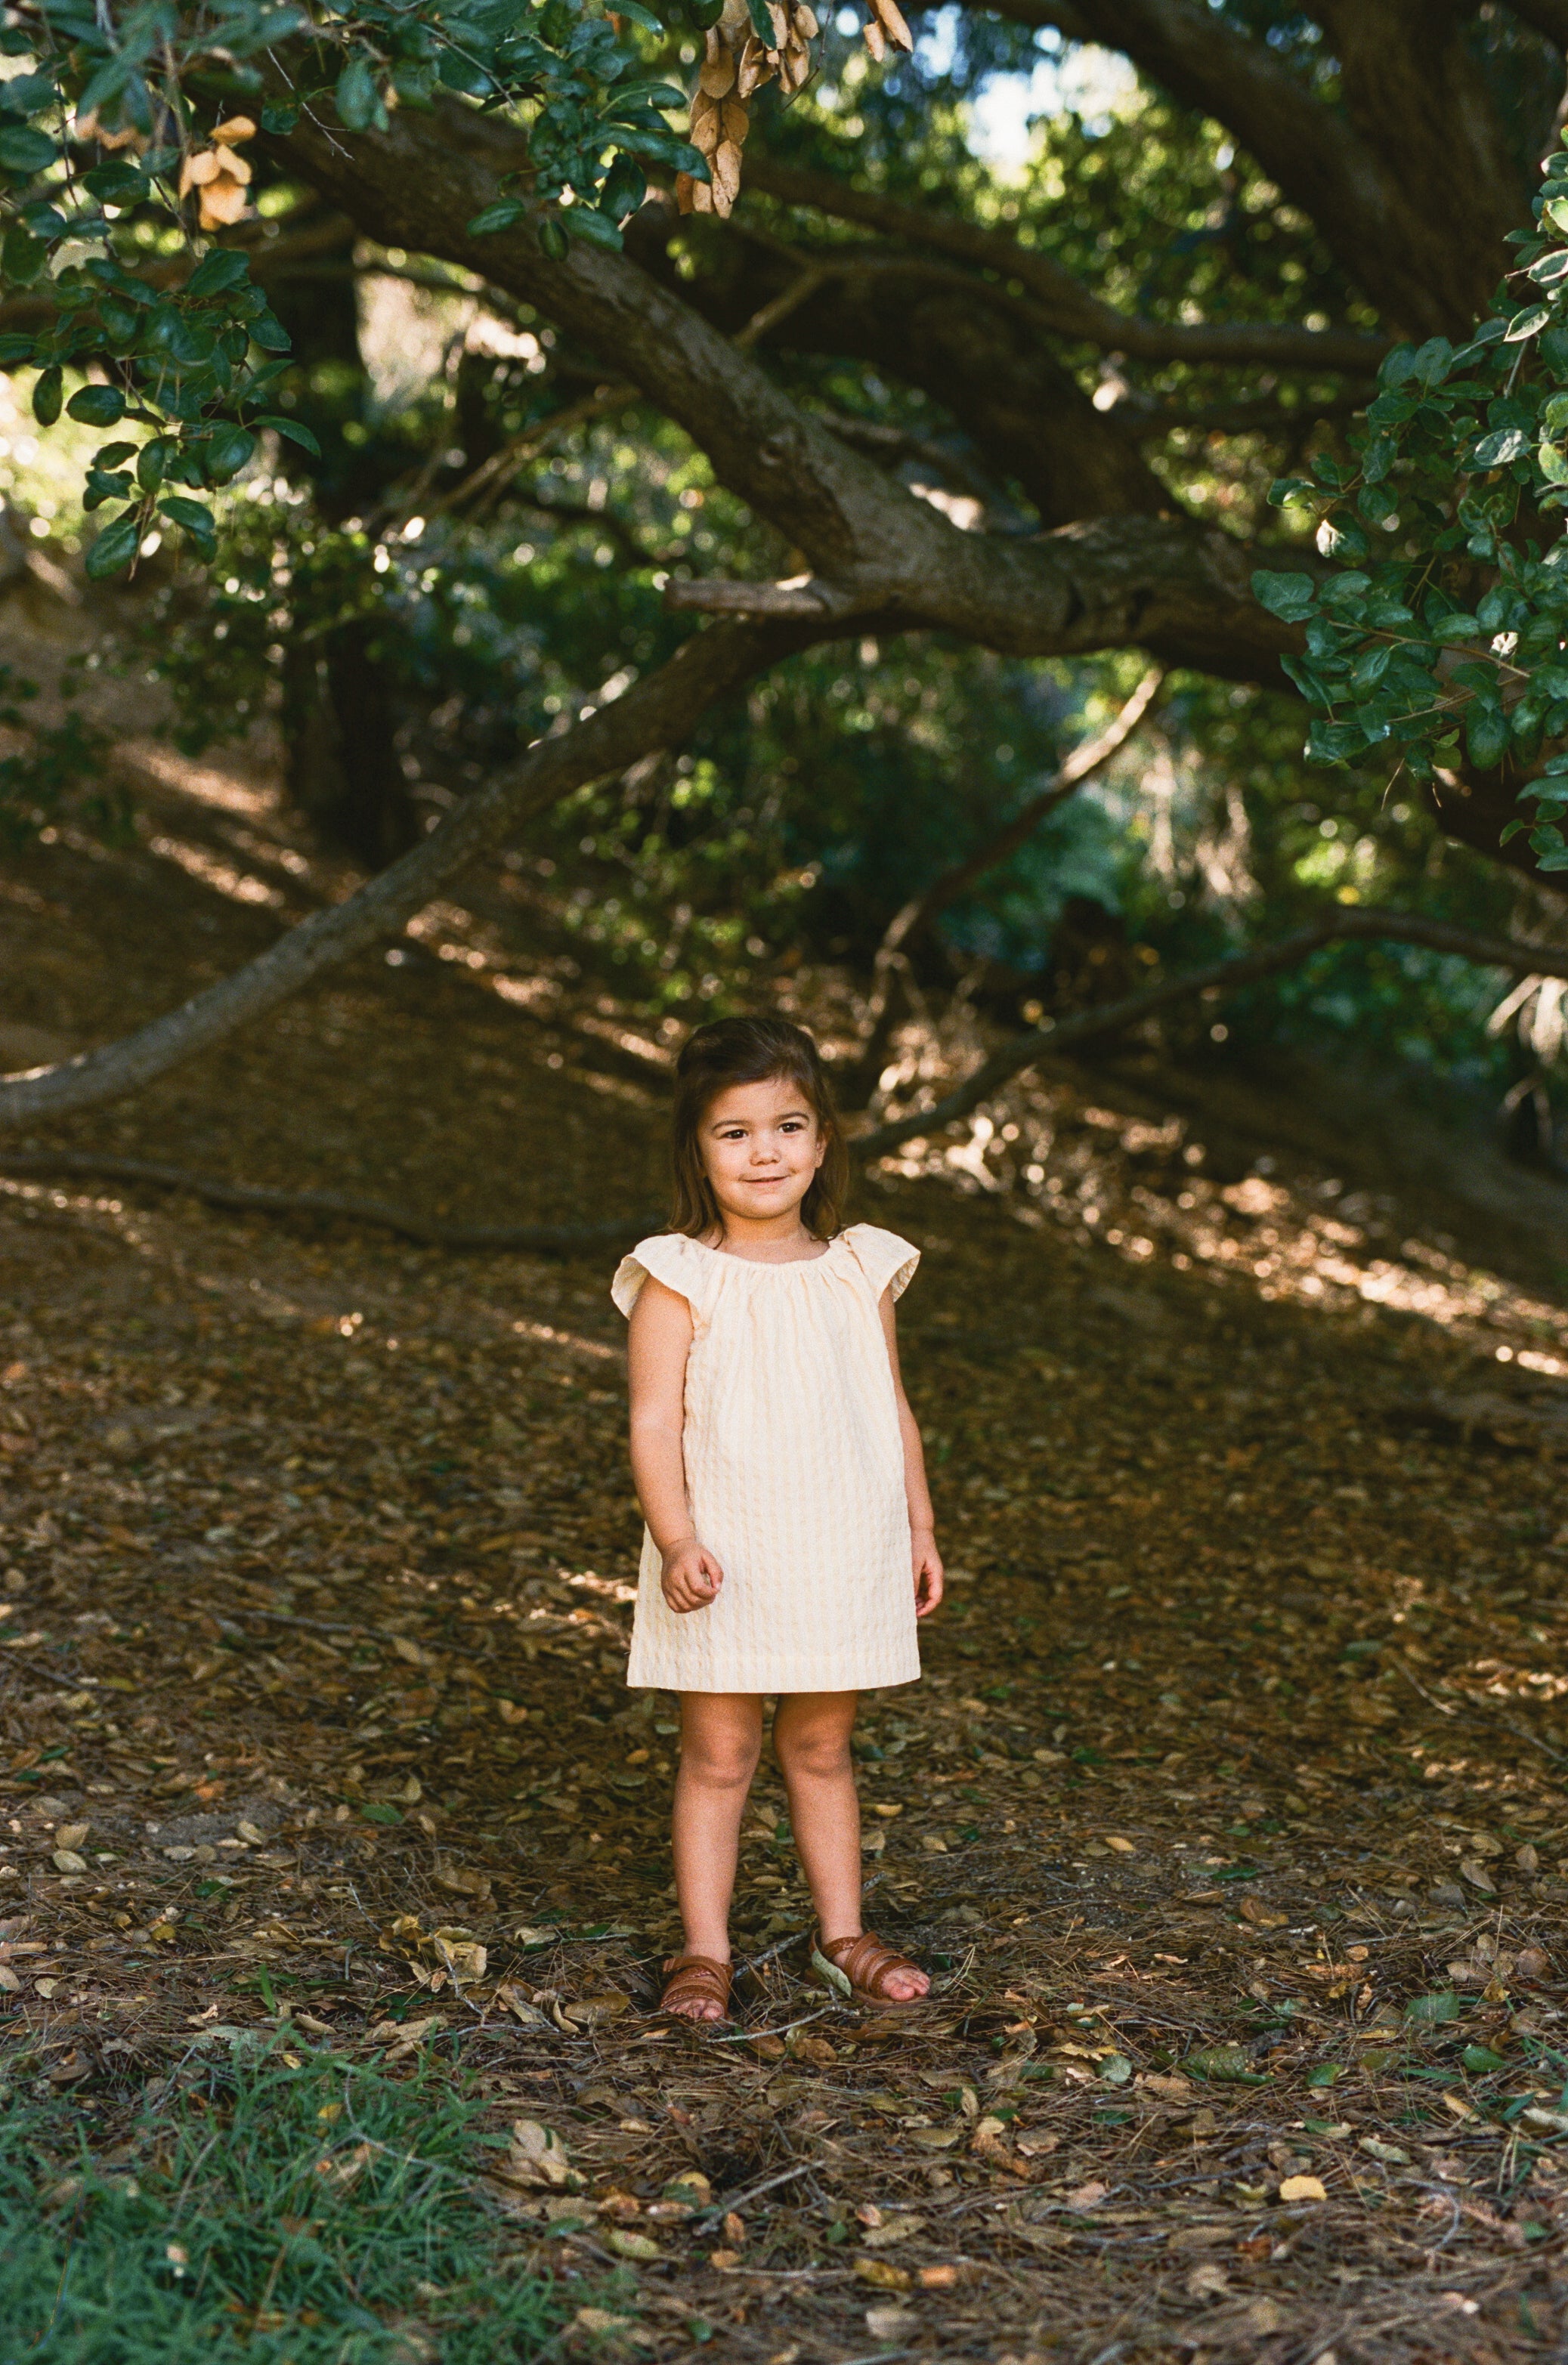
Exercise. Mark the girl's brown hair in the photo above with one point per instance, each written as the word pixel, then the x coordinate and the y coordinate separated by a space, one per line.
pixel 751 1051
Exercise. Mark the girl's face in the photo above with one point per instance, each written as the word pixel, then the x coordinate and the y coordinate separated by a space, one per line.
pixel 761 1146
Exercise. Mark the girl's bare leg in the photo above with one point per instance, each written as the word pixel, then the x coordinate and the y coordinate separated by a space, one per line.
pixel 720 1740
pixel 812 1732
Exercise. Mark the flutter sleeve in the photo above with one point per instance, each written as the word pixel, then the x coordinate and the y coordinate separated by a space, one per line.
pixel 669 1256
pixel 887 1260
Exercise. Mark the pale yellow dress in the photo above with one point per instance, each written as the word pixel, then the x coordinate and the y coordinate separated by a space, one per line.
pixel 794 1472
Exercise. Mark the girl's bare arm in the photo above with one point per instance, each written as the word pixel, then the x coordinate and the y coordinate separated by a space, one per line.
pixel 658 1343
pixel 927 1560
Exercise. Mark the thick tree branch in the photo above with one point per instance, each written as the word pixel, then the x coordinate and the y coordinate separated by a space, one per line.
pixel 1085 1027
pixel 1412 221
pixel 1176 588
pixel 1068 307
pixel 653 713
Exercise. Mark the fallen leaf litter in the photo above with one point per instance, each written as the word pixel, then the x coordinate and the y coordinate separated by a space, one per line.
pixel 1230 1817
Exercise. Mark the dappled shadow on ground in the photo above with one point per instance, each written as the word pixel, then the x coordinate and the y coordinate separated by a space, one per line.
pixel 1230 1814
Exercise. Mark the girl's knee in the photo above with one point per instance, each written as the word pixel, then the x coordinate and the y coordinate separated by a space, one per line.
pixel 819 1754
pixel 720 1761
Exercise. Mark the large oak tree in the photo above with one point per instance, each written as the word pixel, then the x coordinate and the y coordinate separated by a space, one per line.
pixel 1044 503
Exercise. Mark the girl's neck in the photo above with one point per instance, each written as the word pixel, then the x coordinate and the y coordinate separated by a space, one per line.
pixel 779 1240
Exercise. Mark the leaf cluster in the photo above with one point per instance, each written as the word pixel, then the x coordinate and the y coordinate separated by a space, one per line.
pixel 1441 631
pixel 173 332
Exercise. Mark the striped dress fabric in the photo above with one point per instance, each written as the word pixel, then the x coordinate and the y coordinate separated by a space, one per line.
pixel 794 1472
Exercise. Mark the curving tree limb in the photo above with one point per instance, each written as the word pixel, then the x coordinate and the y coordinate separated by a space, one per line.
pixel 654 713
pixel 1069 1038
pixel 1070 1035
pixel 1070 307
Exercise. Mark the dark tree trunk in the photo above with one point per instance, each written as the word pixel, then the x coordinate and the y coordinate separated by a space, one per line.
pixel 339 756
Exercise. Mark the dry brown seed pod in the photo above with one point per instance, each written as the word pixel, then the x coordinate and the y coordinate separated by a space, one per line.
pixel 735 121
pixel 702 198
pixel 753 71
pixel 234 128
pixel 198 169
pixel 222 201
pixel 779 16
pixel 235 166
pixel 795 66
pixel 876 40
pixel 727 172
pixel 719 76
pixel 707 134
pixel 893 24
pixel 804 20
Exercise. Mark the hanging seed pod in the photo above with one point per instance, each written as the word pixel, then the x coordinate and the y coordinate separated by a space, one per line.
pixel 752 70
pixel 234 128
pixel 876 40
pixel 717 73
pixel 222 201
pixel 804 21
pixel 893 25
pixel 726 176
pixel 735 122
pixel 795 66
pixel 779 16
pixel 702 198
pixel 198 169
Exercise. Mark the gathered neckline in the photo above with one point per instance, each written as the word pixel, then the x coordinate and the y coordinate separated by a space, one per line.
pixel 772 1264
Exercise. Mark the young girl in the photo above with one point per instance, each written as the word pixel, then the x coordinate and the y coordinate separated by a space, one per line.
pixel 789 1548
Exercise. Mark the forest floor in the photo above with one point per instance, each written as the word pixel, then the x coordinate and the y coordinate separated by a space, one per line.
pixel 1231 1814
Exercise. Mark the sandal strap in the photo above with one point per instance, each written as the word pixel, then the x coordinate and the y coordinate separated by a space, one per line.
pixel 866 1962
pixel 693 1976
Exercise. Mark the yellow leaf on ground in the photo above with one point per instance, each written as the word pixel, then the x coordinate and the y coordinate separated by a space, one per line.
pixel 1303 2188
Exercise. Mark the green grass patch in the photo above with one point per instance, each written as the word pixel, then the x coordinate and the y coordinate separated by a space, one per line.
pixel 319 2214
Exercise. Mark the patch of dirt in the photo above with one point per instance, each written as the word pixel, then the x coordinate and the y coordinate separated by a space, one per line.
pixel 1231 1813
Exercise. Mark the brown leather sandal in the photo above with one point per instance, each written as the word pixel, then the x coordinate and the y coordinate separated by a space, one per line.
pixel 867 1965
pixel 696 1979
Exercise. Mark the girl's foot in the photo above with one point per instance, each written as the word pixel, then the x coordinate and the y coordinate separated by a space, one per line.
pixel 879 1977
pixel 696 1988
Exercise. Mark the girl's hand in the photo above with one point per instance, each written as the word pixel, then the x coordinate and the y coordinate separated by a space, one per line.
pixel 691 1576
pixel 927 1572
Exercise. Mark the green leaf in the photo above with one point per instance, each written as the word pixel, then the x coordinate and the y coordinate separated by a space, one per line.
pixel 269 332
pixel 836 1980
pixel 114 547
pixel 552 239
pixel 587 221
pixel 23 150
pixel 1479 2060
pixel 1524 324
pixel 358 100
pixel 151 462
pixel 48 394
pixel 762 23
pixel 96 406
pixel 1227 2064
pixel 379 1811
pixel 23 256
pixel 1289 597
pixel 1548 842
pixel 26 95
pixel 227 452
pixel 1486 734
pixel 1433 2010
pixel 1498 449
pixel 196 520
pixel 664 148
pixel 1552 464
pixel 1324 2073
pixel 280 120
pixel 222 268
pixel 504 214
pixel 293 432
